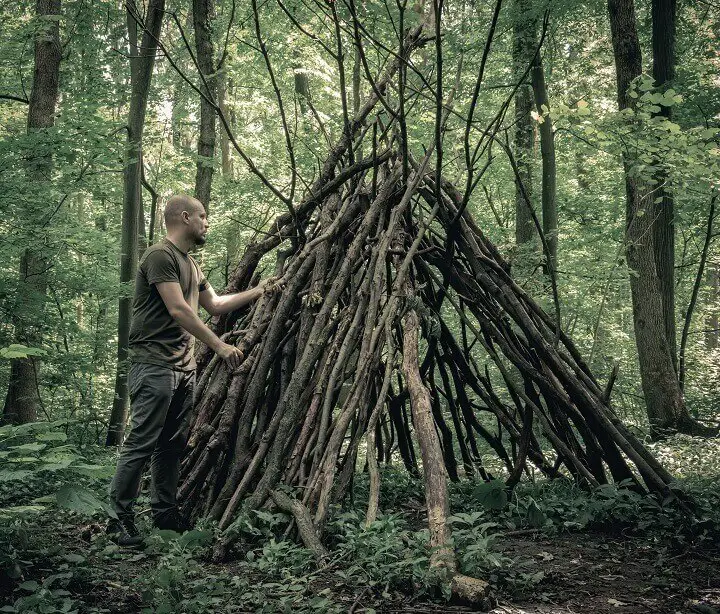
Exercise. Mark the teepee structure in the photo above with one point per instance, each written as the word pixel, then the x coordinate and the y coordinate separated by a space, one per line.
pixel 396 309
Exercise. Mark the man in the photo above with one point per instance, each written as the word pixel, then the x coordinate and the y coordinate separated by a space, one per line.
pixel 168 287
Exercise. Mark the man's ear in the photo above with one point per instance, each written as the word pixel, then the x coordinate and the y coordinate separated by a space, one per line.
pixel 185 216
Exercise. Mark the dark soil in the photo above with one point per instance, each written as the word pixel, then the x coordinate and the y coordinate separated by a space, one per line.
pixel 582 573
pixel 595 574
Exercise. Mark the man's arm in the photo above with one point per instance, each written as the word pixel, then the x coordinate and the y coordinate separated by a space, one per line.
pixel 186 317
pixel 216 305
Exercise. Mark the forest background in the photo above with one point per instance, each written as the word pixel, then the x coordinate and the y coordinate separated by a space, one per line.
pixel 75 220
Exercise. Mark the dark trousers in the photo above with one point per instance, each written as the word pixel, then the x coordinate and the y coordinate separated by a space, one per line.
pixel 160 406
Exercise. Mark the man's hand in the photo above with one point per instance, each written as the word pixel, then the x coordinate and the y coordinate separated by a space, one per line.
pixel 231 355
pixel 273 285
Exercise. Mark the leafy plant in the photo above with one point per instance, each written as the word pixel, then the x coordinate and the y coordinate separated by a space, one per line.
pixel 17 350
pixel 40 468
pixel 31 453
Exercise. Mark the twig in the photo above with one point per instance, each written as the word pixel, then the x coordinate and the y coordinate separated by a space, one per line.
pixel 14 98
pixel 695 291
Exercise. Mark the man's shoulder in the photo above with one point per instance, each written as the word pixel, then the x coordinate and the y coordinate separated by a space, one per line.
pixel 159 249
pixel 194 262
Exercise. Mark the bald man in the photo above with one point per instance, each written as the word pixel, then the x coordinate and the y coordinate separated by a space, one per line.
pixel 168 287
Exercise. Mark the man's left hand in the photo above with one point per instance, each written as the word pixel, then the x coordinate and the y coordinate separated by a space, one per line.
pixel 273 285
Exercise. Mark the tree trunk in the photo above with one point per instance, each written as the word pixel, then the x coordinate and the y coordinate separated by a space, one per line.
pixel 434 474
pixel 222 90
pixel 23 400
pixel 712 322
pixel 547 149
pixel 663 44
pixel 663 397
pixel 442 555
pixel 141 68
pixel 203 13
pixel 302 87
pixel 523 36
pixel 682 371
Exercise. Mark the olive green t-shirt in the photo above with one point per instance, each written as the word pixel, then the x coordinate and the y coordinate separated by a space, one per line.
pixel 155 337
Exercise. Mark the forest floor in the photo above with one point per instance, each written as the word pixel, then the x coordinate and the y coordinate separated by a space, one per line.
pixel 598 573
pixel 588 572
pixel 551 549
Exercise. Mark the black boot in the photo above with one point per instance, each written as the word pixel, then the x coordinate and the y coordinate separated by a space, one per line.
pixel 124 533
pixel 171 520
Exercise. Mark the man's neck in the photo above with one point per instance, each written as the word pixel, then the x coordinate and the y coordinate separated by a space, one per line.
pixel 182 243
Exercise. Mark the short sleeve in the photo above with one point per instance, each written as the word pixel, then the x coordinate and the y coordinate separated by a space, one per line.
pixel 160 267
pixel 202 281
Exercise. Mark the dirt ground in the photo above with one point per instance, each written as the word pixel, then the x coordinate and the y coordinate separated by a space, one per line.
pixel 582 573
pixel 595 574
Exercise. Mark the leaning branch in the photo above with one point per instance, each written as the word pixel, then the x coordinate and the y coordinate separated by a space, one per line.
pixel 695 291
pixel 14 98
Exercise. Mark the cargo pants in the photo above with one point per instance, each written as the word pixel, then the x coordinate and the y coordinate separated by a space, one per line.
pixel 161 401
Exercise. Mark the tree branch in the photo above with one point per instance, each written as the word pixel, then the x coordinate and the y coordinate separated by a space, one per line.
pixel 14 98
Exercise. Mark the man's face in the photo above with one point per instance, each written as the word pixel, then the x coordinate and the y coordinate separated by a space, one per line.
pixel 197 224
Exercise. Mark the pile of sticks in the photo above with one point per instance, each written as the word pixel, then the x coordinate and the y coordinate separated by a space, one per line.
pixel 397 320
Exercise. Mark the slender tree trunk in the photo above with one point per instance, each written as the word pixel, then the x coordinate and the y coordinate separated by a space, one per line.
pixel 302 87
pixel 141 68
pixel 523 36
pixel 547 149
pixel 23 401
pixel 442 555
pixel 663 44
pixel 132 27
pixel 203 13
pixel 176 115
pixel 695 292
pixel 712 322
pixel 663 397
pixel 222 89
pixel 232 235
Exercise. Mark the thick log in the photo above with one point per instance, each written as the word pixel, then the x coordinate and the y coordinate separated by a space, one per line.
pixel 306 529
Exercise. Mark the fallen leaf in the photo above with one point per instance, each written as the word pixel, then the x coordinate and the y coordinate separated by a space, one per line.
pixel 546 556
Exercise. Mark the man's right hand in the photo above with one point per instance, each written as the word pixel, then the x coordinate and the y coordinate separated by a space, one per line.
pixel 231 355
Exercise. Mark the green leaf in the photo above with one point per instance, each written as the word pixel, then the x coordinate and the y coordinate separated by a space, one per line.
pixel 536 517
pixel 29 447
pixel 195 538
pixel 52 436
pixel 45 499
pixel 20 510
pixel 17 350
pixel 94 471
pixel 55 466
pixel 492 495
pixel 9 476
pixel 79 499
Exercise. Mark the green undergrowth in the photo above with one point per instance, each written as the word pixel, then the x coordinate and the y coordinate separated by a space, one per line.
pixel 688 514
pixel 55 557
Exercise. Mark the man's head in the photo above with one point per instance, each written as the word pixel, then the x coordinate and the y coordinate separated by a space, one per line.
pixel 186 216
